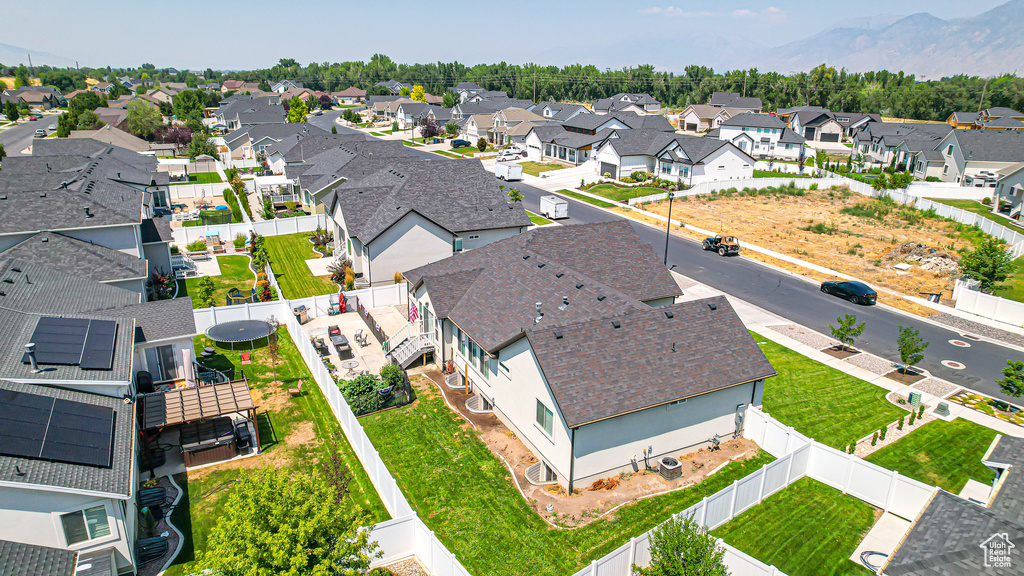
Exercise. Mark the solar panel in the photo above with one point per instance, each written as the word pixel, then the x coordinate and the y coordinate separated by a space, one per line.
pixel 59 340
pixel 40 427
pixel 98 351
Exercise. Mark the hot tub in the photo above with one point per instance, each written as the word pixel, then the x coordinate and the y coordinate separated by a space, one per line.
pixel 208 441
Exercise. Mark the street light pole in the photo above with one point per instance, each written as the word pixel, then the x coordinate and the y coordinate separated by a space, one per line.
pixel 668 225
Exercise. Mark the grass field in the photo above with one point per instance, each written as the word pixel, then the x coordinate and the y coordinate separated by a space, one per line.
pixel 537 219
pixel 408 143
pixel 535 168
pixel 806 529
pixel 587 199
pixel 1013 287
pixel 465 495
pixel 202 178
pixel 943 454
pixel 619 194
pixel 292 431
pixel 773 174
pixel 467 150
pixel 448 154
pixel 378 134
pixel 979 209
pixel 234 273
pixel 821 402
pixel 288 254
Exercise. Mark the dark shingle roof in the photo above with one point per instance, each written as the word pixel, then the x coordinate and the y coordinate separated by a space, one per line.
pixel 754 120
pixel 991 145
pixel 73 256
pixel 18 559
pixel 161 319
pixel 734 100
pixel 115 479
pixel 157 229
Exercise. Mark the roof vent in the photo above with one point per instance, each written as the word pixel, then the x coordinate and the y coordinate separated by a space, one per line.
pixel 46 238
pixel 541 264
pixel 673 346
pixel 669 314
pixel 3 196
pixel 579 285
pixel 558 334
pixel 601 298
pixel 88 214
pixel 526 256
pixel 616 324
pixel 42 194
pixel 565 299
pixel 713 306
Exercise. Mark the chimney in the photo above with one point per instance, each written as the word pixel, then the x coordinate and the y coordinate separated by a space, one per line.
pixel 87 213
pixel 30 349
pixel 540 315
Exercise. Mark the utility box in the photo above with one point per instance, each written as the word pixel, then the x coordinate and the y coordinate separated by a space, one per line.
pixel 554 207
pixel 915 399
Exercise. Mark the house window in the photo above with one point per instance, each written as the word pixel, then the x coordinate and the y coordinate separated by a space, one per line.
pixel 666 168
pixel 162 363
pixel 503 367
pixel 485 364
pixel 457 244
pixel 949 150
pixel 462 341
pixel 945 169
pixel 83 525
pixel 545 418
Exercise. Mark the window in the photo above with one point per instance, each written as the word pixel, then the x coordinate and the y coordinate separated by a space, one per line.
pixel 666 168
pixel 457 244
pixel 503 367
pixel 949 150
pixel 83 525
pixel 945 169
pixel 162 363
pixel 545 418
pixel 485 364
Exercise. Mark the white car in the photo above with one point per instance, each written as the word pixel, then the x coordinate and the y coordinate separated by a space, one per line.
pixel 509 154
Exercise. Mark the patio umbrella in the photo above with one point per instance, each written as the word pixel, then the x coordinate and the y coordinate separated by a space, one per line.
pixel 186 359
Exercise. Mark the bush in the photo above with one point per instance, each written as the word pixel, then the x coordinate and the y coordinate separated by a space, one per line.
pixel 882 431
pixel 381 571
pixel 874 438
pixel 933 179
pixel 913 416
pixel 626 180
pixel 899 425
pixel 986 201
pixel 481 144
pixel 814 186
pixel 920 412
pixel 196 246
pixel 393 376
pixel 239 241
pixel 639 176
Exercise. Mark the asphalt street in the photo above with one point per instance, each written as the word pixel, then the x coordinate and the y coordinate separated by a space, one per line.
pixel 17 138
pixel 794 298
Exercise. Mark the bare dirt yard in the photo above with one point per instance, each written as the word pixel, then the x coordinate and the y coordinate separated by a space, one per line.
pixel 888 245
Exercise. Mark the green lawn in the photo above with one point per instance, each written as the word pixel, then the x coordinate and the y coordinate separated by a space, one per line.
pixel 587 199
pixel 468 150
pixel 288 255
pixel 202 178
pixel 1013 287
pixel 621 194
pixel 821 402
pixel 378 134
pixel 234 273
pixel 535 168
pixel 979 209
pixel 943 454
pixel 773 174
pixel 537 219
pixel 806 529
pixel 291 430
pixel 408 143
pixel 466 496
pixel 448 154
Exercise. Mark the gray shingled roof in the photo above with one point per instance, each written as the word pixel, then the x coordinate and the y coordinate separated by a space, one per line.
pixel 116 479
pixel 734 100
pixel 161 319
pixel 790 137
pixel 754 120
pixel 312 145
pixel 347 161
pixel 18 559
pixel 593 376
pixel 991 145
pixel 156 229
pixel 73 256
pixel 459 196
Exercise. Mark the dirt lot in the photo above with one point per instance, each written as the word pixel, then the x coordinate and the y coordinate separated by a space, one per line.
pixel 844 231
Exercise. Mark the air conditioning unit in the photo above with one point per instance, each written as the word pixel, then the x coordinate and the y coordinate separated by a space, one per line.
pixel 669 468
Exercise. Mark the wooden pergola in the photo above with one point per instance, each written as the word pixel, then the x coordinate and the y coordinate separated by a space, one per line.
pixel 181 406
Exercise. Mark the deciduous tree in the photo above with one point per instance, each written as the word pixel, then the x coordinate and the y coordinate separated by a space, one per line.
pixel 143 118
pixel 681 547
pixel 418 93
pixel 847 331
pixel 87 120
pixel 200 144
pixel 911 347
pixel 11 111
pixel 65 124
pixel 1012 383
pixel 449 100
pixel 990 263
pixel 297 110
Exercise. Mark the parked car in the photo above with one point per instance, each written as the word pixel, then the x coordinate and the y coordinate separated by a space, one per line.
pixel 461 143
pixel 509 154
pixel 724 245
pixel 41 133
pixel 856 292
pixel 33 118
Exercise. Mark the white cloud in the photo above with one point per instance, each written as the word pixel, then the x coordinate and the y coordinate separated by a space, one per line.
pixel 743 13
pixel 773 10
pixel 651 10
pixel 673 11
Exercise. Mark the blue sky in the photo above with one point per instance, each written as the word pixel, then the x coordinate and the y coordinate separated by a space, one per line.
pixel 230 34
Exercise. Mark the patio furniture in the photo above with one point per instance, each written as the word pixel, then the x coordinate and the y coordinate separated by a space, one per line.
pixel 297 391
pixel 350 366
pixel 320 346
pixel 208 441
pixel 219 249
pixel 242 437
pixel 246 358
pixel 338 339
pixel 150 549
pixel 207 352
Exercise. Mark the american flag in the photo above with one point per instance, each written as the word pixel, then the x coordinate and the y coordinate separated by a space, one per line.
pixel 414 314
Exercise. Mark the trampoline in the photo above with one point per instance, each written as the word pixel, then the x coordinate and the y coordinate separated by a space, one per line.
pixel 239 331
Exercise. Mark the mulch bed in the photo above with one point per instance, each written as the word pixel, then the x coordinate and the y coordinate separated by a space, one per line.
pixel 908 378
pixel 837 352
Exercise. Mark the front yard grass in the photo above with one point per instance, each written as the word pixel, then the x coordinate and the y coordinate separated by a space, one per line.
pixel 821 402
pixel 537 219
pixel 535 168
pixel 587 199
pixel 467 150
pixel 447 154
pixel 805 529
pixel 622 193
pixel 234 273
pixel 466 496
pixel 293 431
pixel 288 254
pixel 943 454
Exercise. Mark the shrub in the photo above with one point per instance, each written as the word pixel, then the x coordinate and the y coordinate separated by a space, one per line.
pixel 913 416
pixel 239 241
pixel 399 277
pixel 197 246
pixel 933 179
pixel 986 201
pixel 920 412
pixel 882 431
pixel 639 176
pixel 626 180
pixel 814 186
pixel 899 425
pixel 874 438
pixel 381 571
pixel 174 249
pixel 392 376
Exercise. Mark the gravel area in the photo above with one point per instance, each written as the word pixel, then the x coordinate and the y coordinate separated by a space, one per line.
pixel 936 387
pixel 980 329
pixel 156 567
pixel 872 364
pixel 804 336
pixel 892 434
pixel 410 567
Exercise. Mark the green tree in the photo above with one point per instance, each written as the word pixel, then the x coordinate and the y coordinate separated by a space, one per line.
pixel 515 195
pixel 88 100
pixel 279 521
pixel 312 103
pixel 451 128
pixel 418 93
pixel 911 347
pixel 11 111
pixel 66 122
pixel 264 86
pixel 87 120
pixel 1012 383
pixel 297 110
pixel 143 118
pixel 847 331
pixel 449 100
pixel 990 263
pixel 481 144
pixel 3 153
pixel 204 292
pixel 820 159
pixel 681 547
pixel 21 78
pixel 404 91
pixel 187 105
pixel 200 144
pixel 334 129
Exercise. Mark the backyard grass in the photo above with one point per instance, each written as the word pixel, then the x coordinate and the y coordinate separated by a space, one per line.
pixel 537 219
pixel 587 199
pixel 979 209
pixel 408 143
pixel 292 431
pixel 535 168
pixel 806 529
pixel 943 454
pixel 621 194
pixel 466 496
pixel 821 402
pixel 202 178
pixel 773 174
pixel 1013 287
pixel 234 273
pixel 288 254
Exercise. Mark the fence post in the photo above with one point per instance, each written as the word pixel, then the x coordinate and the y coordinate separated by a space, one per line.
pixel 632 554
pixel 593 568
pixel 760 491
pixel 732 500
pixel 894 478
pixel 703 511
pixel 849 472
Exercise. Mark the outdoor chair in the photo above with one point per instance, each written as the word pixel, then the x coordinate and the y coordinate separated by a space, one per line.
pixel 297 391
pixel 246 358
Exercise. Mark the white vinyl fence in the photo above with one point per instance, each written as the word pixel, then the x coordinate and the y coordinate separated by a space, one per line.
pixel 740 184
pixel 969 299
pixel 179 191
pixel 275 227
pixel 797 456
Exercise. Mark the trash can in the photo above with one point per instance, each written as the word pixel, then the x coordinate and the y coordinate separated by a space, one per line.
pixel 301 314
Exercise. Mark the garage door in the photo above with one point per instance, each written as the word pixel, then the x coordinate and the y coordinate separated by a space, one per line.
pixel 691 127
pixel 809 133
pixel 829 137
pixel 610 169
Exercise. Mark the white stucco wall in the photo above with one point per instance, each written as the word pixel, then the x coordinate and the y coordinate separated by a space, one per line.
pixel 726 163
pixel 478 238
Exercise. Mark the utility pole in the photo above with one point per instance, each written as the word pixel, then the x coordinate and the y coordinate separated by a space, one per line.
pixel 744 83
pixel 30 72
pixel 982 101
pixel 668 226
pixel 535 83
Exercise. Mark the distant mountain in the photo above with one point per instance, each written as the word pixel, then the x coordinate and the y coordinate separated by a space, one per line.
pixel 930 47
pixel 14 55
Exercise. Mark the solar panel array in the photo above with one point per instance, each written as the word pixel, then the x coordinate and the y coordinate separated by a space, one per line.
pixel 44 428
pixel 88 344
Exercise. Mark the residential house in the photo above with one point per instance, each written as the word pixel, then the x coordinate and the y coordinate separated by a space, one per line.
pixel 853 121
pixel 417 212
pixel 305 144
pixel 114 137
pixel 74 93
pixel 489 106
pixel 44 97
pixel 1010 189
pixel 394 86
pixel 734 100
pixel 594 123
pixel 877 141
pixel 231 85
pixel 506 120
pixel 162 94
pixel 482 95
pixel 535 326
pixel 115 117
pixel 686 159
pixel 704 117
pixel 17 559
pixel 813 123
pixel 285 85
pixel 998 118
pixel 319 173
pixel 409 114
pixel 477 126
pixel 558 111
pixel 102 87
pixel 553 142
pixel 466 90
pixel 975 157
pixel 957 535
pixel 350 95
pixel 249 111
pixel 386 107
pixel 626 102
pixel 761 136
pixel 252 141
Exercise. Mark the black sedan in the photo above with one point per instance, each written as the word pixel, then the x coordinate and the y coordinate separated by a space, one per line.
pixel 856 292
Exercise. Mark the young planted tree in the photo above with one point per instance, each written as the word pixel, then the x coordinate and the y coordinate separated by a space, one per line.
pixel 847 331
pixel 429 128
pixel 87 120
pixel 1012 383
pixel 481 144
pixel 515 195
pixel 681 547
pixel 325 102
pixel 273 345
pixel 281 521
pixel 911 347
pixel 990 263
pixel 204 292
pixel 451 128
pixel 820 159
pixel 11 111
